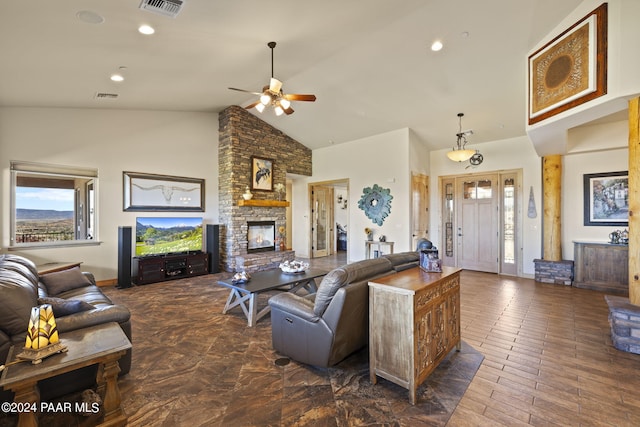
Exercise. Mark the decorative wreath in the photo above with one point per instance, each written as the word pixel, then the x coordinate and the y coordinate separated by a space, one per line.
pixel 376 203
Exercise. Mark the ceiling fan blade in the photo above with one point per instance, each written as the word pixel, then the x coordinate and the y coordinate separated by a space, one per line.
pixel 247 91
pixel 275 85
pixel 299 97
pixel 253 104
pixel 288 111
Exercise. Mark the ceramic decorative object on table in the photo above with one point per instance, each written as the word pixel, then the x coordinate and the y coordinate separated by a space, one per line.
pixel 242 277
pixel 294 266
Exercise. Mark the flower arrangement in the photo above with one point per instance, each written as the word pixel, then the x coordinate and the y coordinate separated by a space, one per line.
pixel 369 233
pixel 282 234
pixel 279 188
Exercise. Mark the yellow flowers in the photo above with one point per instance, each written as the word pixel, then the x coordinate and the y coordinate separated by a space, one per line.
pixel 367 231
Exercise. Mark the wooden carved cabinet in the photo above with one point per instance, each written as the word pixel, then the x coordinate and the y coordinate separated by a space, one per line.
pixel 414 322
pixel 601 267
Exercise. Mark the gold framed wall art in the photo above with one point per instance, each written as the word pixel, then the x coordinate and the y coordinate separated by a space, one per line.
pixel 571 69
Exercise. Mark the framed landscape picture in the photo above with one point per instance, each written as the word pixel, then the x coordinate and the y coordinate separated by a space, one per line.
pixel 261 174
pixel 606 199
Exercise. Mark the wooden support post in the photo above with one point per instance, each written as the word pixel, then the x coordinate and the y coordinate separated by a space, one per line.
pixel 634 201
pixel 552 203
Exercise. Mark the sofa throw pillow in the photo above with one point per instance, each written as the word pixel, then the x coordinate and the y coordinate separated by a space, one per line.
pixel 65 280
pixel 64 307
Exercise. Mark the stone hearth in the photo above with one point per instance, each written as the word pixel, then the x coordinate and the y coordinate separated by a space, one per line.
pixel 263 260
pixel 624 319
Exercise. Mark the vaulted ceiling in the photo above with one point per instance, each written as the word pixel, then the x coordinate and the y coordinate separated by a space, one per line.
pixel 368 62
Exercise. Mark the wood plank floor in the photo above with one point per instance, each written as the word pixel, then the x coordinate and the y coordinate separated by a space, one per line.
pixel 549 359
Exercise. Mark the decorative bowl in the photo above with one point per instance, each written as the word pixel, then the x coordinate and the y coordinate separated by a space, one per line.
pixel 294 266
pixel 239 278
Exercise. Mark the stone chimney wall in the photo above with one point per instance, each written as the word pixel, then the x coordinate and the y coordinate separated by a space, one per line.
pixel 241 136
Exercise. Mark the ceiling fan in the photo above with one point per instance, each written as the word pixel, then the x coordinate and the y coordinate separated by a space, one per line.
pixel 273 94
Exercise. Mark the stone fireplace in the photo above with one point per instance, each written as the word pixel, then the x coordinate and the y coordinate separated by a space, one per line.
pixel 241 136
pixel 261 236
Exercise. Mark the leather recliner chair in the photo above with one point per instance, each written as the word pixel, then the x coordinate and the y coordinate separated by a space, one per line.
pixel 324 328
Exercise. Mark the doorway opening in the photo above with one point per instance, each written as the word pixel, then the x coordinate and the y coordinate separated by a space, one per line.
pixel 481 222
pixel 329 207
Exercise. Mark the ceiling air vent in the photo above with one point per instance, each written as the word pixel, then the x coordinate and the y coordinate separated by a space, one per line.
pixel 163 7
pixel 105 95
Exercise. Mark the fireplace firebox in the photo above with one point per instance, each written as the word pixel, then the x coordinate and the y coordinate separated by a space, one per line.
pixel 261 236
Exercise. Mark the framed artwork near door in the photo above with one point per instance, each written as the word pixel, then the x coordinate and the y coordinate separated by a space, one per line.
pixel 606 199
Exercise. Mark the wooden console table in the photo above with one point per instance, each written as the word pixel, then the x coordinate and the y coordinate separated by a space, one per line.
pixel 414 322
pixel 601 267
pixel 102 344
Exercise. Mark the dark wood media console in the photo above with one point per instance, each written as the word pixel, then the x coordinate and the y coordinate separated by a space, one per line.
pixel 147 270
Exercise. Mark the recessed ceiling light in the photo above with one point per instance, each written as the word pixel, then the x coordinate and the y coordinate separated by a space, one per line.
pixel 117 77
pixel 89 17
pixel 436 46
pixel 146 29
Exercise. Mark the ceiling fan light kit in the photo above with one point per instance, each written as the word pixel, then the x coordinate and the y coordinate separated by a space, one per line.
pixel 274 96
pixel 459 153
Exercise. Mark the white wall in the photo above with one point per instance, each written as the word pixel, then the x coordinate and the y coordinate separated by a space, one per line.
pixel 574 168
pixel 381 159
pixel 418 155
pixel 508 154
pixel 598 148
pixel 113 141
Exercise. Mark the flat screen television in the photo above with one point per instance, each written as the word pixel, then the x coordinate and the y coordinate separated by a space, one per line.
pixel 167 235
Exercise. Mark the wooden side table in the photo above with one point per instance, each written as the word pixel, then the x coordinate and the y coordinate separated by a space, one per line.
pixel 369 244
pixel 101 344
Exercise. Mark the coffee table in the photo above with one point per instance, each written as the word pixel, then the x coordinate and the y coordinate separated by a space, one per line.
pixel 262 281
pixel 102 344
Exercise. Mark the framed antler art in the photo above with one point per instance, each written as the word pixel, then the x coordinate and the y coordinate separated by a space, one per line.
pixel 147 192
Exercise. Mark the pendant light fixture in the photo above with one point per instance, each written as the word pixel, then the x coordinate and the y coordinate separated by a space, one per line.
pixel 459 153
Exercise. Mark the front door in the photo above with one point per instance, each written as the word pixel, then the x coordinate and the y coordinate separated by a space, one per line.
pixel 477 223
pixel 322 223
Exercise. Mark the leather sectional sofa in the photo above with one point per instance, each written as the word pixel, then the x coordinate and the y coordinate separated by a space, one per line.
pixel 323 328
pixel 77 303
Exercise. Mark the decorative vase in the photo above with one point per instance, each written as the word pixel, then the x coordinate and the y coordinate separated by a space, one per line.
pixel 247 194
pixel 370 236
